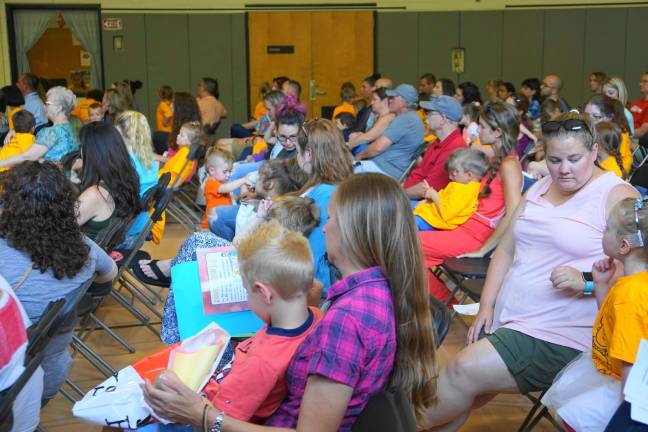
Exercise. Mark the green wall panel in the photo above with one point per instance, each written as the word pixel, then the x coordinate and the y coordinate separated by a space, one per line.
pixel 564 42
pixel 604 43
pixel 636 53
pixel 522 46
pixel 398 46
pixel 438 34
pixel 167 56
pixel 130 61
pixel 481 36
pixel 211 54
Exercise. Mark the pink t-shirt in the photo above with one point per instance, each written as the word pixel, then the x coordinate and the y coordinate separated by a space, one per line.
pixel 548 236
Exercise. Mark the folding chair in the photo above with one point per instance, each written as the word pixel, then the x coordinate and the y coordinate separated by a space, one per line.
pixel 177 208
pixel 467 274
pixel 441 318
pixel 155 201
pixel 537 413
pixel 410 167
pixel 389 410
pixel 38 334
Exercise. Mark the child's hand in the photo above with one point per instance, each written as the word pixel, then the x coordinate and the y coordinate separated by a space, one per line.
pixel 430 193
pixel 603 271
pixel 263 208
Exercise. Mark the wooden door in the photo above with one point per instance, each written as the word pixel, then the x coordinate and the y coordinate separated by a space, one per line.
pixel 330 47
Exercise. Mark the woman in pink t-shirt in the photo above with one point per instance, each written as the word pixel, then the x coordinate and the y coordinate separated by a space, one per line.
pixel 533 312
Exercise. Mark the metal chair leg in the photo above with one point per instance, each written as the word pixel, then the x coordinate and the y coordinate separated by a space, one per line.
pixel 114 335
pixel 95 359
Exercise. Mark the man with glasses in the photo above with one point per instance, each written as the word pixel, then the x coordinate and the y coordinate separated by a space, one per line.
pixel 639 108
pixel 550 89
pixel 443 116
pixel 392 152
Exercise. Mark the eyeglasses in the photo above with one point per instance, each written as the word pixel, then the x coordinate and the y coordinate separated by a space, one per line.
pixel 570 125
pixel 430 113
pixel 284 139
pixel 636 240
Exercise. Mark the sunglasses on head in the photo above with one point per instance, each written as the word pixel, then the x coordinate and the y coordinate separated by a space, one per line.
pixel 636 239
pixel 570 125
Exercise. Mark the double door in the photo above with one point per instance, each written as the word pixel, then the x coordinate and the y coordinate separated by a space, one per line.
pixel 322 49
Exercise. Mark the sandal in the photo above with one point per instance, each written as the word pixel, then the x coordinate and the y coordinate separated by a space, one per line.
pixel 161 281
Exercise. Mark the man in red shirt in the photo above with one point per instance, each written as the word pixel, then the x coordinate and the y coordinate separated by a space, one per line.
pixel 443 115
pixel 639 108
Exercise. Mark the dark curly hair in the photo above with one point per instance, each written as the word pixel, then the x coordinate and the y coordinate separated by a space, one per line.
pixel 106 162
pixel 39 218
pixel 185 110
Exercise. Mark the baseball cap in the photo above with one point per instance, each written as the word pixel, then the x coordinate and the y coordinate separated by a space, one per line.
pixel 446 105
pixel 406 91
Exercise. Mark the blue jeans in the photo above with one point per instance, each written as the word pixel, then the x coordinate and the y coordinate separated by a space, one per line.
pixel 225 225
pixel 422 225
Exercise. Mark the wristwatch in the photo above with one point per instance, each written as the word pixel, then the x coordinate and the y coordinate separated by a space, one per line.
pixel 218 423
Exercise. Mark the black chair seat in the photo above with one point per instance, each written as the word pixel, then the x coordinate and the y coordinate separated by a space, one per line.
pixel 468 267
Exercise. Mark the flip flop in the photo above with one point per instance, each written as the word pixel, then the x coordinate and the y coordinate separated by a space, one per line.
pixel 161 281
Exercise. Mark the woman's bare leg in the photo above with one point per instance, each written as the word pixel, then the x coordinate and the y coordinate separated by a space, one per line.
pixel 472 378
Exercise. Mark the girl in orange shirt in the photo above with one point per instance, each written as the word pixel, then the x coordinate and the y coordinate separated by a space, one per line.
pixel 588 391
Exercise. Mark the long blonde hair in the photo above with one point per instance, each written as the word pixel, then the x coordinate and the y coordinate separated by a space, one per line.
pixel 137 136
pixel 330 158
pixel 377 229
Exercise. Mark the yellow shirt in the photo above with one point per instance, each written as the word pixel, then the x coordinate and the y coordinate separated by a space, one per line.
pixel 344 107
pixel 626 153
pixel 81 110
pixel 457 202
pixel 259 110
pixel 18 144
pixel 620 324
pixel 175 164
pixel 610 164
pixel 162 112
pixel 10 116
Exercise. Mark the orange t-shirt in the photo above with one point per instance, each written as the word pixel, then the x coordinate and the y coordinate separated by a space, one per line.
pixel 344 107
pixel 213 198
pixel 620 324
pixel 255 386
pixel 81 109
pixel 162 112
pixel 259 110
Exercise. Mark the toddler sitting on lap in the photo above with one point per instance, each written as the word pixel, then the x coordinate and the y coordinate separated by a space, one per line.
pixel 453 205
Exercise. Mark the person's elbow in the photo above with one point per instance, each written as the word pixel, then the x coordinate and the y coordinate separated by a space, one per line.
pixel 108 276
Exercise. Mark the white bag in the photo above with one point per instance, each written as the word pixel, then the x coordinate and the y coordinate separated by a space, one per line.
pixel 117 402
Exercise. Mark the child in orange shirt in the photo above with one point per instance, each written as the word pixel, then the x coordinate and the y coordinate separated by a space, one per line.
pixel 95 113
pixel 164 111
pixel 24 123
pixel 588 391
pixel 218 166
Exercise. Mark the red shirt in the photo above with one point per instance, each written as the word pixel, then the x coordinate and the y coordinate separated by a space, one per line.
pixel 639 110
pixel 254 387
pixel 432 168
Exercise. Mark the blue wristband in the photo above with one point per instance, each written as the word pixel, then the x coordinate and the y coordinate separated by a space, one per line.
pixel 589 288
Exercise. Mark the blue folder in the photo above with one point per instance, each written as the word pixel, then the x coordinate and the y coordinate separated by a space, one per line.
pixel 185 282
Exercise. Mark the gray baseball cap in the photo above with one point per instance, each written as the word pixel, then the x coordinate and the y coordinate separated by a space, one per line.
pixel 406 91
pixel 446 105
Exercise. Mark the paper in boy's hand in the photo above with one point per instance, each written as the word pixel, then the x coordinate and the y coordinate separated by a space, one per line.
pixel 195 360
pixel 220 281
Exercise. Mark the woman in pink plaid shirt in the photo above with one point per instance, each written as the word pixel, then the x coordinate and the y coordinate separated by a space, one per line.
pixel 353 354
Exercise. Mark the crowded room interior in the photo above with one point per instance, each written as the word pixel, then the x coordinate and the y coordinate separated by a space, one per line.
pixel 338 216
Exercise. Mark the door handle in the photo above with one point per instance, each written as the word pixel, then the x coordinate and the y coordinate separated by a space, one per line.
pixel 313 91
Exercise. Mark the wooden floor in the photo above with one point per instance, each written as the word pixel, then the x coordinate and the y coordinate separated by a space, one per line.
pixel 504 413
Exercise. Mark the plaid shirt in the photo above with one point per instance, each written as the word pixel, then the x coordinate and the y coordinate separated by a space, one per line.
pixel 354 344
